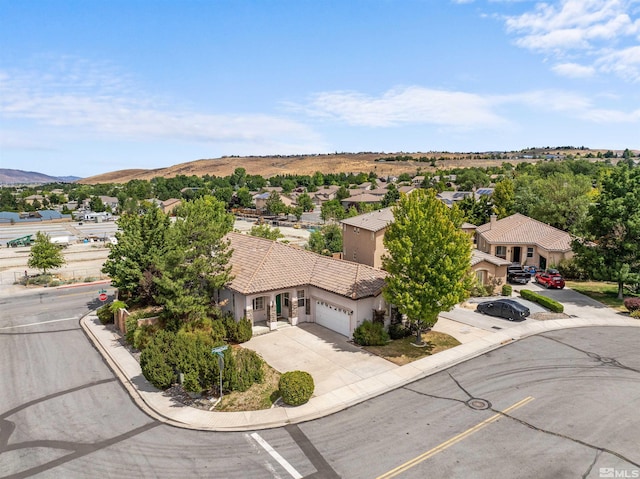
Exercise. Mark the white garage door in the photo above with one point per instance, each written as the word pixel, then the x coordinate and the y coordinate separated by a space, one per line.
pixel 333 318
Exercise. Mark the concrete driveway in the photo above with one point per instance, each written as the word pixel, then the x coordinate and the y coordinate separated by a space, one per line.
pixel 331 360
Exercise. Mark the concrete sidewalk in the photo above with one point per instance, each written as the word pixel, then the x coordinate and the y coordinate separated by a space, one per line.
pixel 165 409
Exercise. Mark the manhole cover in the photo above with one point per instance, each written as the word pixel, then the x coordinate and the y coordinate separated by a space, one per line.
pixel 478 404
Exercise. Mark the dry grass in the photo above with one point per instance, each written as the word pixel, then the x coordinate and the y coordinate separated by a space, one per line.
pixel 401 351
pixel 258 396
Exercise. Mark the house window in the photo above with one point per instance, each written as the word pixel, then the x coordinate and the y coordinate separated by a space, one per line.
pixel 258 303
pixel 286 299
pixel 355 256
pixel 482 276
pixel 530 252
pixel 501 252
pixel 307 307
pixel 300 298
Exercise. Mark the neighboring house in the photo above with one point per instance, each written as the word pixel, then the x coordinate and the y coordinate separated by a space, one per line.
pixel 168 205
pixel 362 242
pixel 324 193
pixel 489 268
pixel 110 201
pixel 360 199
pixel 520 239
pixel 31 198
pixel 272 280
pixel 417 181
pixel 451 197
pixel 260 200
pixel 362 237
pixel 97 217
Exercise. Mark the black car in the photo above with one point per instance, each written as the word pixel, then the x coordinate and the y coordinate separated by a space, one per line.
pixel 504 308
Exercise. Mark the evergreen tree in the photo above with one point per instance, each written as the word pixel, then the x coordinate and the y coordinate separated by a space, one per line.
pixel 428 259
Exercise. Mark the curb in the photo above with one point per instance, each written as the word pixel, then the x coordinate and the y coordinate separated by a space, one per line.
pixel 344 398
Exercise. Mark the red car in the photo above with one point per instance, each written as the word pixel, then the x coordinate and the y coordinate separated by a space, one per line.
pixel 550 278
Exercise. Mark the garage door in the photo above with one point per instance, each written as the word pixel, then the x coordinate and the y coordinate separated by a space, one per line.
pixel 333 318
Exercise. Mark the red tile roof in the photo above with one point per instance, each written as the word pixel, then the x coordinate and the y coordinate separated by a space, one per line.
pixel 260 265
pixel 520 229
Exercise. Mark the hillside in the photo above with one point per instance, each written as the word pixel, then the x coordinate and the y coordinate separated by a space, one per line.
pixel 267 166
pixel 303 165
pixel 20 177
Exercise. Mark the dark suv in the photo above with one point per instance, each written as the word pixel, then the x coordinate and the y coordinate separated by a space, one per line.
pixel 504 308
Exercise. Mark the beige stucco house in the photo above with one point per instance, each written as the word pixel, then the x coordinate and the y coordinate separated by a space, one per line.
pixel 274 281
pixel 520 239
pixel 362 242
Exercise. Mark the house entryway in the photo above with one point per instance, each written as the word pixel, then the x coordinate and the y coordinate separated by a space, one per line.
pixel 262 327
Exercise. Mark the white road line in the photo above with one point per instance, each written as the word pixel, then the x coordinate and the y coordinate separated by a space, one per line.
pixel 281 460
pixel 36 324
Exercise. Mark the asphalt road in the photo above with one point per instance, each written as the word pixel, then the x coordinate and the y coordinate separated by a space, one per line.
pixel 563 404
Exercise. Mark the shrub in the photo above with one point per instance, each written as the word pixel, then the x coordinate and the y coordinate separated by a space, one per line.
pixel 548 303
pixel 632 304
pixel 570 269
pixel 143 336
pixel 242 331
pixel 131 324
pixel 104 314
pixel 230 326
pixel 398 331
pixel 370 334
pixel 249 367
pixel 296 387
pixel 153 360
pixel 507 290
pixel 635 314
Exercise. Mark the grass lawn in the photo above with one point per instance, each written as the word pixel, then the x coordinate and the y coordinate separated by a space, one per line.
pixel 603 291
pixel 258 396
pixel 400 351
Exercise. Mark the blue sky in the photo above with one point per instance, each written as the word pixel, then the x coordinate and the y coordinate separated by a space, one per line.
pixel 92 86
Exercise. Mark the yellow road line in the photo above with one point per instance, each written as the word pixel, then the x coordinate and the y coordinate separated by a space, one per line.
pixel 455 439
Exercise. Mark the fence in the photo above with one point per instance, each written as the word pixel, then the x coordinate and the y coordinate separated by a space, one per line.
pixel 66 275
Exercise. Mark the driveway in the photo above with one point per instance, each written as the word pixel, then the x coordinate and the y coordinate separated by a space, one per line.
pixel 331 360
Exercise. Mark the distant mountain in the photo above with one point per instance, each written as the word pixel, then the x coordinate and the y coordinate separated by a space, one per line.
pixel 20 177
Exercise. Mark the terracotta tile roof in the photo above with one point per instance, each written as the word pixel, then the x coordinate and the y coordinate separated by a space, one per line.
pixel 520 229
pixel 478 256
pixel 374 221
pixel 260 265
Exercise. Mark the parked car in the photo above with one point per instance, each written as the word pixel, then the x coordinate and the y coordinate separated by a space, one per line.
pixel 550 278
pixel 504 308
pixel 516 274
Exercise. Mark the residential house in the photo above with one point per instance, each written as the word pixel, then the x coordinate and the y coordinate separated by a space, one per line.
pixel 260 199
pixel 362 242
pixel 272 281
pixel 417 181
pixel 32 198
pixel 324 193
pixel 520 239
pixel 489 268
pixel 169 205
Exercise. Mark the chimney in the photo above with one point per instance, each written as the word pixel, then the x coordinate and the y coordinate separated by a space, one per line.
pixel 493 219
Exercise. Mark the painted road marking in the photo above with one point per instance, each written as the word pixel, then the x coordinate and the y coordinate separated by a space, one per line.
pixel 281 460
pixel 455 439
pixel 36 324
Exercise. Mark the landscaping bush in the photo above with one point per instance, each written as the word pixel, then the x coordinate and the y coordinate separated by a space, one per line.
pixel 104 314
pixel 153 360
pixel 249 367
pixel 230 327
pixel 398 331
pixel 543 301
pixel 570 269
pixel 635 314
pixel 632 304
pixel 143 335
pixel 507 290
pixel 131 324
pixel 241 332
pixel 296 387
pixel 370 334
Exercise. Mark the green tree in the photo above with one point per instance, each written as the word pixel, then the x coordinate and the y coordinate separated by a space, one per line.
pixel 96 204
pixel 428 260
pixel 134 261
pixel 332 210
pixel 327 240
pixel 244 197
pixel 342 193
pixel 44 254
pixel 274 204
pixel 195 265
pixel 266 231
pixel 304 201
pixel 610 249
pixel 391 196
pixel 476 211
pixel 503 198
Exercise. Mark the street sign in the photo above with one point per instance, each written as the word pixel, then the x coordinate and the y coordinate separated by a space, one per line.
pixel 102 297
pixel 219 349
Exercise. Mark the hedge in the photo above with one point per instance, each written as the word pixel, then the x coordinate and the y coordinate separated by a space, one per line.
pixel 507 289
pixel 296 387
pixel 544 301
pixel 370 334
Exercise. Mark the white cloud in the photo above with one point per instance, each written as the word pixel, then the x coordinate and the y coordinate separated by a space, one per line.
pixel 100 103
pixel 573 70
pixel 599 32
pixel 410 105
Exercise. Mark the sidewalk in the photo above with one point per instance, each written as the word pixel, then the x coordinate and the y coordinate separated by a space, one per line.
pixel 165 409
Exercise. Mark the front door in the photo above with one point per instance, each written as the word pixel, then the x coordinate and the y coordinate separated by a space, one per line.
pixel 543 263
pixel 516 254
pixel 278 306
